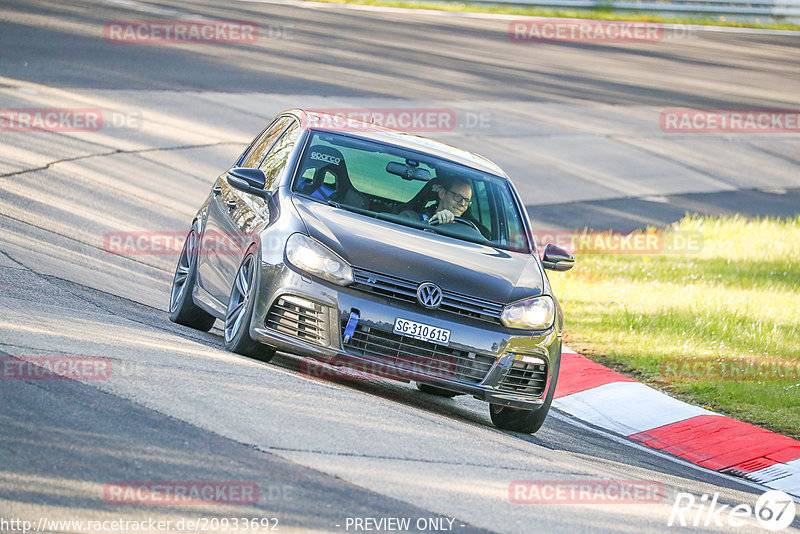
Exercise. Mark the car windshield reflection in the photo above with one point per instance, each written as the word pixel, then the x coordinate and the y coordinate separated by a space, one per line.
pixel 405 187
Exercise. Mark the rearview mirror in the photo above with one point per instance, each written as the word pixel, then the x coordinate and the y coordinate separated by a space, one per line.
pixel 248 180
pixel 557 259
pixel 408 172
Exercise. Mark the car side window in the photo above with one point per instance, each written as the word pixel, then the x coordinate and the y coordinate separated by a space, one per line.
pixel 276 160
pixel 256 153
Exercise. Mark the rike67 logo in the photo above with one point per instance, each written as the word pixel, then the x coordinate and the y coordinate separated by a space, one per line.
pixel 774 511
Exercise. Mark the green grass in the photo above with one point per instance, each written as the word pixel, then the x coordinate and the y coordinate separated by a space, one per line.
pixel 734 303
pixel 600 13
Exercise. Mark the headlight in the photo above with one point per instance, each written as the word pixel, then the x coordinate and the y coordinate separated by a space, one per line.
pixel 531 314
pixel 315 258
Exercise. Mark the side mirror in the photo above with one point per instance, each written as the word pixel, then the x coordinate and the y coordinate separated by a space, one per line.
pixel 557 259
pixel 248 180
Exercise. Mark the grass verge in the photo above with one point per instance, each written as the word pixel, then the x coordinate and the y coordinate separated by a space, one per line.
pixel 718 327
pixel 597 14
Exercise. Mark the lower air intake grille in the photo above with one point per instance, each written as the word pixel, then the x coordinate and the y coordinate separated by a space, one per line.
pixel 418 358
pixel 523 377
pixel 298 317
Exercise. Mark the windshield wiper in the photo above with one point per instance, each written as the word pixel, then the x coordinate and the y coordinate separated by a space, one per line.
pixel 405 221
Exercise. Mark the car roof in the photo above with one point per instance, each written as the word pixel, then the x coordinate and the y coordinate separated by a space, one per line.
pixel 322 121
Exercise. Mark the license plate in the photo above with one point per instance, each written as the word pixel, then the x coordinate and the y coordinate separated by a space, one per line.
pixel 421 331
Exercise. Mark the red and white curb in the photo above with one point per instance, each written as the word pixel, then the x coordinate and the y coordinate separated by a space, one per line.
pixel 609 400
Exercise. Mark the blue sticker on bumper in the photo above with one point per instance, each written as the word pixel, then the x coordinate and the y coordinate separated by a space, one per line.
pixel 352 322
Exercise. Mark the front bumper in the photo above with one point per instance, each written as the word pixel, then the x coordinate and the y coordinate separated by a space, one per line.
pixel 305 316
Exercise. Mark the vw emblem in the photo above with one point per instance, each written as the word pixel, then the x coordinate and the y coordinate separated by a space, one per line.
pixel 429 295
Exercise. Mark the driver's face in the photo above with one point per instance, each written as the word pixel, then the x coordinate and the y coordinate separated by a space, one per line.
pixel 456 199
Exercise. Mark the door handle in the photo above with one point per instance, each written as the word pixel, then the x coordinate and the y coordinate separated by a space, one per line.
pixel 217 190
pixel 231 204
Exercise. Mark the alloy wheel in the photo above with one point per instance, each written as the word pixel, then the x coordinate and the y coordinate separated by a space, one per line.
pixel 182 271
pixel 240 296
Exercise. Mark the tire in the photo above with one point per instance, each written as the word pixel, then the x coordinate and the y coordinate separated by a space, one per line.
pixel 439 392
pixel 521 420
pixel 182 309
pixel 240 312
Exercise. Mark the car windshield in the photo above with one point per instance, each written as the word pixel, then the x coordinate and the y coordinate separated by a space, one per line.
pixel 410 188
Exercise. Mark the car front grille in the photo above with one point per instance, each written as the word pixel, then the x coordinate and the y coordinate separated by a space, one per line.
pixel 406 290
pixel 298 317
pixel 416 358
pixel 523 377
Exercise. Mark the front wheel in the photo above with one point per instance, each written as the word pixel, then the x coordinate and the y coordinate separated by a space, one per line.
pixel 518 419
pixel 182 309
pixel 240 312
pixel 521 420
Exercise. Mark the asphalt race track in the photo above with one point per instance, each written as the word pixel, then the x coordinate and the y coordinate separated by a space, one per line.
pixel 577 127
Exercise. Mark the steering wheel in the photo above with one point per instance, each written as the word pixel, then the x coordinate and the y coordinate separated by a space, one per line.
pixel 459 220
pixel 466 222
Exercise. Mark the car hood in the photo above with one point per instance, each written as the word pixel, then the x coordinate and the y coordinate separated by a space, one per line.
pixel 385 247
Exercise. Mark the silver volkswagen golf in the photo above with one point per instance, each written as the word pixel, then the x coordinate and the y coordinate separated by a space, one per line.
pixel 363 246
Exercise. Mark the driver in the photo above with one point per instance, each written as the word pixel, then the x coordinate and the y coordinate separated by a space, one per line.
pixel 454 197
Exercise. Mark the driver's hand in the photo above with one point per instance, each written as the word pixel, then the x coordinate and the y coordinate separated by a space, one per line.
pixel 442 217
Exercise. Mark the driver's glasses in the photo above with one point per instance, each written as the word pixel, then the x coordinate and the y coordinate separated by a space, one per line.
pixel 460 199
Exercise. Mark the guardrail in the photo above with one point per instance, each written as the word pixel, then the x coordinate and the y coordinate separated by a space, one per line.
pixel 772 9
